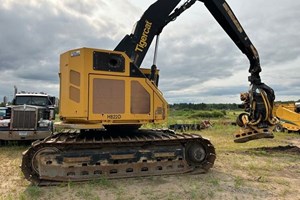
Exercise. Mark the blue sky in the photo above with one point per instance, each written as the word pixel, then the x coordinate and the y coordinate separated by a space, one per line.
pixel 198 62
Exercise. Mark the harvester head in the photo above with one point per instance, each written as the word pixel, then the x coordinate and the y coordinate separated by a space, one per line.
pixel 258 121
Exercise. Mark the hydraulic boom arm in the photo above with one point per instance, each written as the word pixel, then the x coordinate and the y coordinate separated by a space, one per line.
pixel 258 102
pixel 226 18
pixel 151 23
pixel 159 14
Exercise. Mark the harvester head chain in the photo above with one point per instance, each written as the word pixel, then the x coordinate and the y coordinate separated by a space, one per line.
pixel 76 156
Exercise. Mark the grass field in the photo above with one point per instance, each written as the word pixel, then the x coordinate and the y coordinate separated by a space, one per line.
pixel 261 169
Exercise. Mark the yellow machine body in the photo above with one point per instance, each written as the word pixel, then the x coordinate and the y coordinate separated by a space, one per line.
pixel 288 115
pixel 101 87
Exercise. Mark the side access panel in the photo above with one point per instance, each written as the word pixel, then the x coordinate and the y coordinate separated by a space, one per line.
pixel 116 99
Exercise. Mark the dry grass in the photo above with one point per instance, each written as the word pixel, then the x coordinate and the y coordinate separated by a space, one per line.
pixel 241 172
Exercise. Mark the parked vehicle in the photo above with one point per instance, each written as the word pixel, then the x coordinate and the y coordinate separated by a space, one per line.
pixel 289 115
pixel 28 118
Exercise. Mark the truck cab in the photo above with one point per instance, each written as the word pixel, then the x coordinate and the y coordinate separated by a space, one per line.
pixel 30 117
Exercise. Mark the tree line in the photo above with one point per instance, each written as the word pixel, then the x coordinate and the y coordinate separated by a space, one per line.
pixel 205 106
pixel 212 106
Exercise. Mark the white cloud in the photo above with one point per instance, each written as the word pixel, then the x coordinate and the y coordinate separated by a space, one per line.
pixel 198 61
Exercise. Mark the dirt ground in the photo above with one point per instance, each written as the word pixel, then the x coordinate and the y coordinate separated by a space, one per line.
pixel 265 169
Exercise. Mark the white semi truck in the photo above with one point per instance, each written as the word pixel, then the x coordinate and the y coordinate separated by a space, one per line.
pixel 30 117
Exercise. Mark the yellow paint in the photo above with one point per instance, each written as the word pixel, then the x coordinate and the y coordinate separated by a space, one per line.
pixel 79 112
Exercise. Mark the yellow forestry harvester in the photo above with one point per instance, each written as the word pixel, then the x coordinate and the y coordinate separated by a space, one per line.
pixel 289 115
pixel 105 97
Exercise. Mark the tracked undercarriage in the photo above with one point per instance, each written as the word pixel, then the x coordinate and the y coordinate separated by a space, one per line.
pixel 74 156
